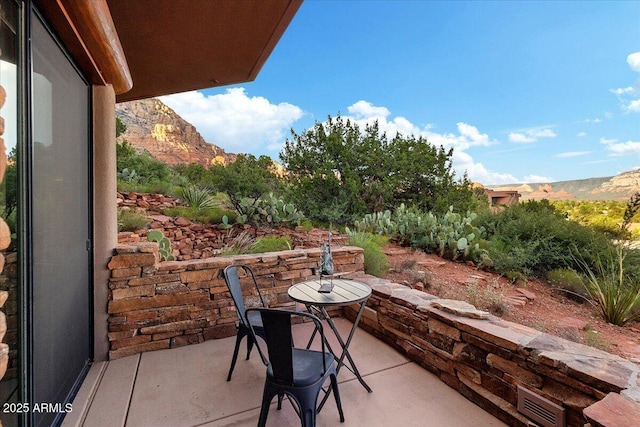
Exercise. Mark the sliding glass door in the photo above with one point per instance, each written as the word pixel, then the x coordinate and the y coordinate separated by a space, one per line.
pixel 60 223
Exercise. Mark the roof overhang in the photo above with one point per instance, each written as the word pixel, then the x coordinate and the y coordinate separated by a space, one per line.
pixel 175 46
pixel 169 46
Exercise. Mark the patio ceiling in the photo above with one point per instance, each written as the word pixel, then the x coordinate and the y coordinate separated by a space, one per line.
pixel 175 46
pixel 158 47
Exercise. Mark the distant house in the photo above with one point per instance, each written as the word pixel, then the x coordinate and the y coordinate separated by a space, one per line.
pixel 502 198
pixel 64 65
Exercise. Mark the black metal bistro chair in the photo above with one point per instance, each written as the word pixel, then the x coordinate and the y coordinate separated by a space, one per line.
pixel 232 279
pixel 297 372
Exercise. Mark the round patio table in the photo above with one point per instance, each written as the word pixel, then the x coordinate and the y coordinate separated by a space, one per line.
pixel 344 292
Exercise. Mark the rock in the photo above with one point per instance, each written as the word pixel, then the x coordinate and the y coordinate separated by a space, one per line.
pixel 182 222
pixel 527 294
pixel 157 129
pixel 460 308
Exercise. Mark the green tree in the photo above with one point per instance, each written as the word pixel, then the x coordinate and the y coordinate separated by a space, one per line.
pixel 147 169
pixel 120 127
pixel 248 177
pixel 339 172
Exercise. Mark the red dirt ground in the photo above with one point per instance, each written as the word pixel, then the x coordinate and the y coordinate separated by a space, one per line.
pixel 545 310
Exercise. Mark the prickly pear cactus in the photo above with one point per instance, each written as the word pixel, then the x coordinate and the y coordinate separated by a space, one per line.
pixel 164 249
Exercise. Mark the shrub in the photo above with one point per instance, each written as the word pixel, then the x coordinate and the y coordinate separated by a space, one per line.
pixel 616 295
pixel 534 237
pixel 487 298
pixel 593 339
pixel 270 244
pixel 215 216
pixel 375 261
pixel 131 220
pixel 568 281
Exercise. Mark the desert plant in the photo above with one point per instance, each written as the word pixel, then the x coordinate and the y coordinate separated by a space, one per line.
pixel 616 295
pixel 451 236
pixel 487 298
pixel 127 175
pixel 131 220
pixel 198 198
pixel 633 207
pixel 270 244
pixel 569 282
pixel 535 237
pixel 593 339
pixel 375 261
pixel 164 248
pixel 240 244
pixel 515 277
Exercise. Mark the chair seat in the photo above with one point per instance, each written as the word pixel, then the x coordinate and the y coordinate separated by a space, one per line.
pixel 307 367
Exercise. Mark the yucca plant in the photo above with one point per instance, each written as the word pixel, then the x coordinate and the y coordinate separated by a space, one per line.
pixel 197 197
pixel 615 293
pixel 240 244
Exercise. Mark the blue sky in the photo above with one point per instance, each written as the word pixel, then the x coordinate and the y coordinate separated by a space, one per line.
pixel 523 91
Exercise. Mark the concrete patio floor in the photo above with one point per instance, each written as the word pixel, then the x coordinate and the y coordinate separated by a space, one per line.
pixel 187 387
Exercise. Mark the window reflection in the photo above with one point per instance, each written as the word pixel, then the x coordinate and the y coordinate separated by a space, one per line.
pixel 9 49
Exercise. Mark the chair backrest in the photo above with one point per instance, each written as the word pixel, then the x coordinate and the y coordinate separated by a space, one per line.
pixel 232 279
pixel 279 339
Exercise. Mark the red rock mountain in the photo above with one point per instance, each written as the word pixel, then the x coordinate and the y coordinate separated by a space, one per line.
pixel 619 187
pixel 157 129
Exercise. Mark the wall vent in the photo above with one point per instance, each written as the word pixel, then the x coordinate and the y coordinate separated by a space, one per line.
pixel 539 409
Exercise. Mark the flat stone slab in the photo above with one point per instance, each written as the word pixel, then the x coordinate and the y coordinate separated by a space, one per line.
pixel 460 308
pixel 613 410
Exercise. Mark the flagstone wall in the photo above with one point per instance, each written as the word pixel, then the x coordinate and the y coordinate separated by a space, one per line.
pixel 486 358
pixel 156 305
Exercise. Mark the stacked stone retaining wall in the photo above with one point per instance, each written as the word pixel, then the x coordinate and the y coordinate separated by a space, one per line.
pixel 155 305
pixel 487 359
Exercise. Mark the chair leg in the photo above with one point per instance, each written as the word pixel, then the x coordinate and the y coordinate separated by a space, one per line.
pixel 249 345
pixel 235 355
pixel 307 414
pixel 336 393
pixel 280 396
pixel 267 396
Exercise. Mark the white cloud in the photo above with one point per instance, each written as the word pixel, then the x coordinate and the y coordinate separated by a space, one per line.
pixel 624 148
pixel 596 120
pixel 521 138
pixel 634 106
pixel 581 134
pixel 537 178
pixel 363 109
pixel 542 133
pixel 634 61
pixel 572 154
pixel 525 136
pixel 621 148
pixel 478 172
pixel 235 121
pixel 629 97
pixel 622 91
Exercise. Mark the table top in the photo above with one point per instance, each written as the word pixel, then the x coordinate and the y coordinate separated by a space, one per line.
pixel 345 292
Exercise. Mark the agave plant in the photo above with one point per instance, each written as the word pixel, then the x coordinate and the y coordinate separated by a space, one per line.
pixel 197 197
pixel 616 295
